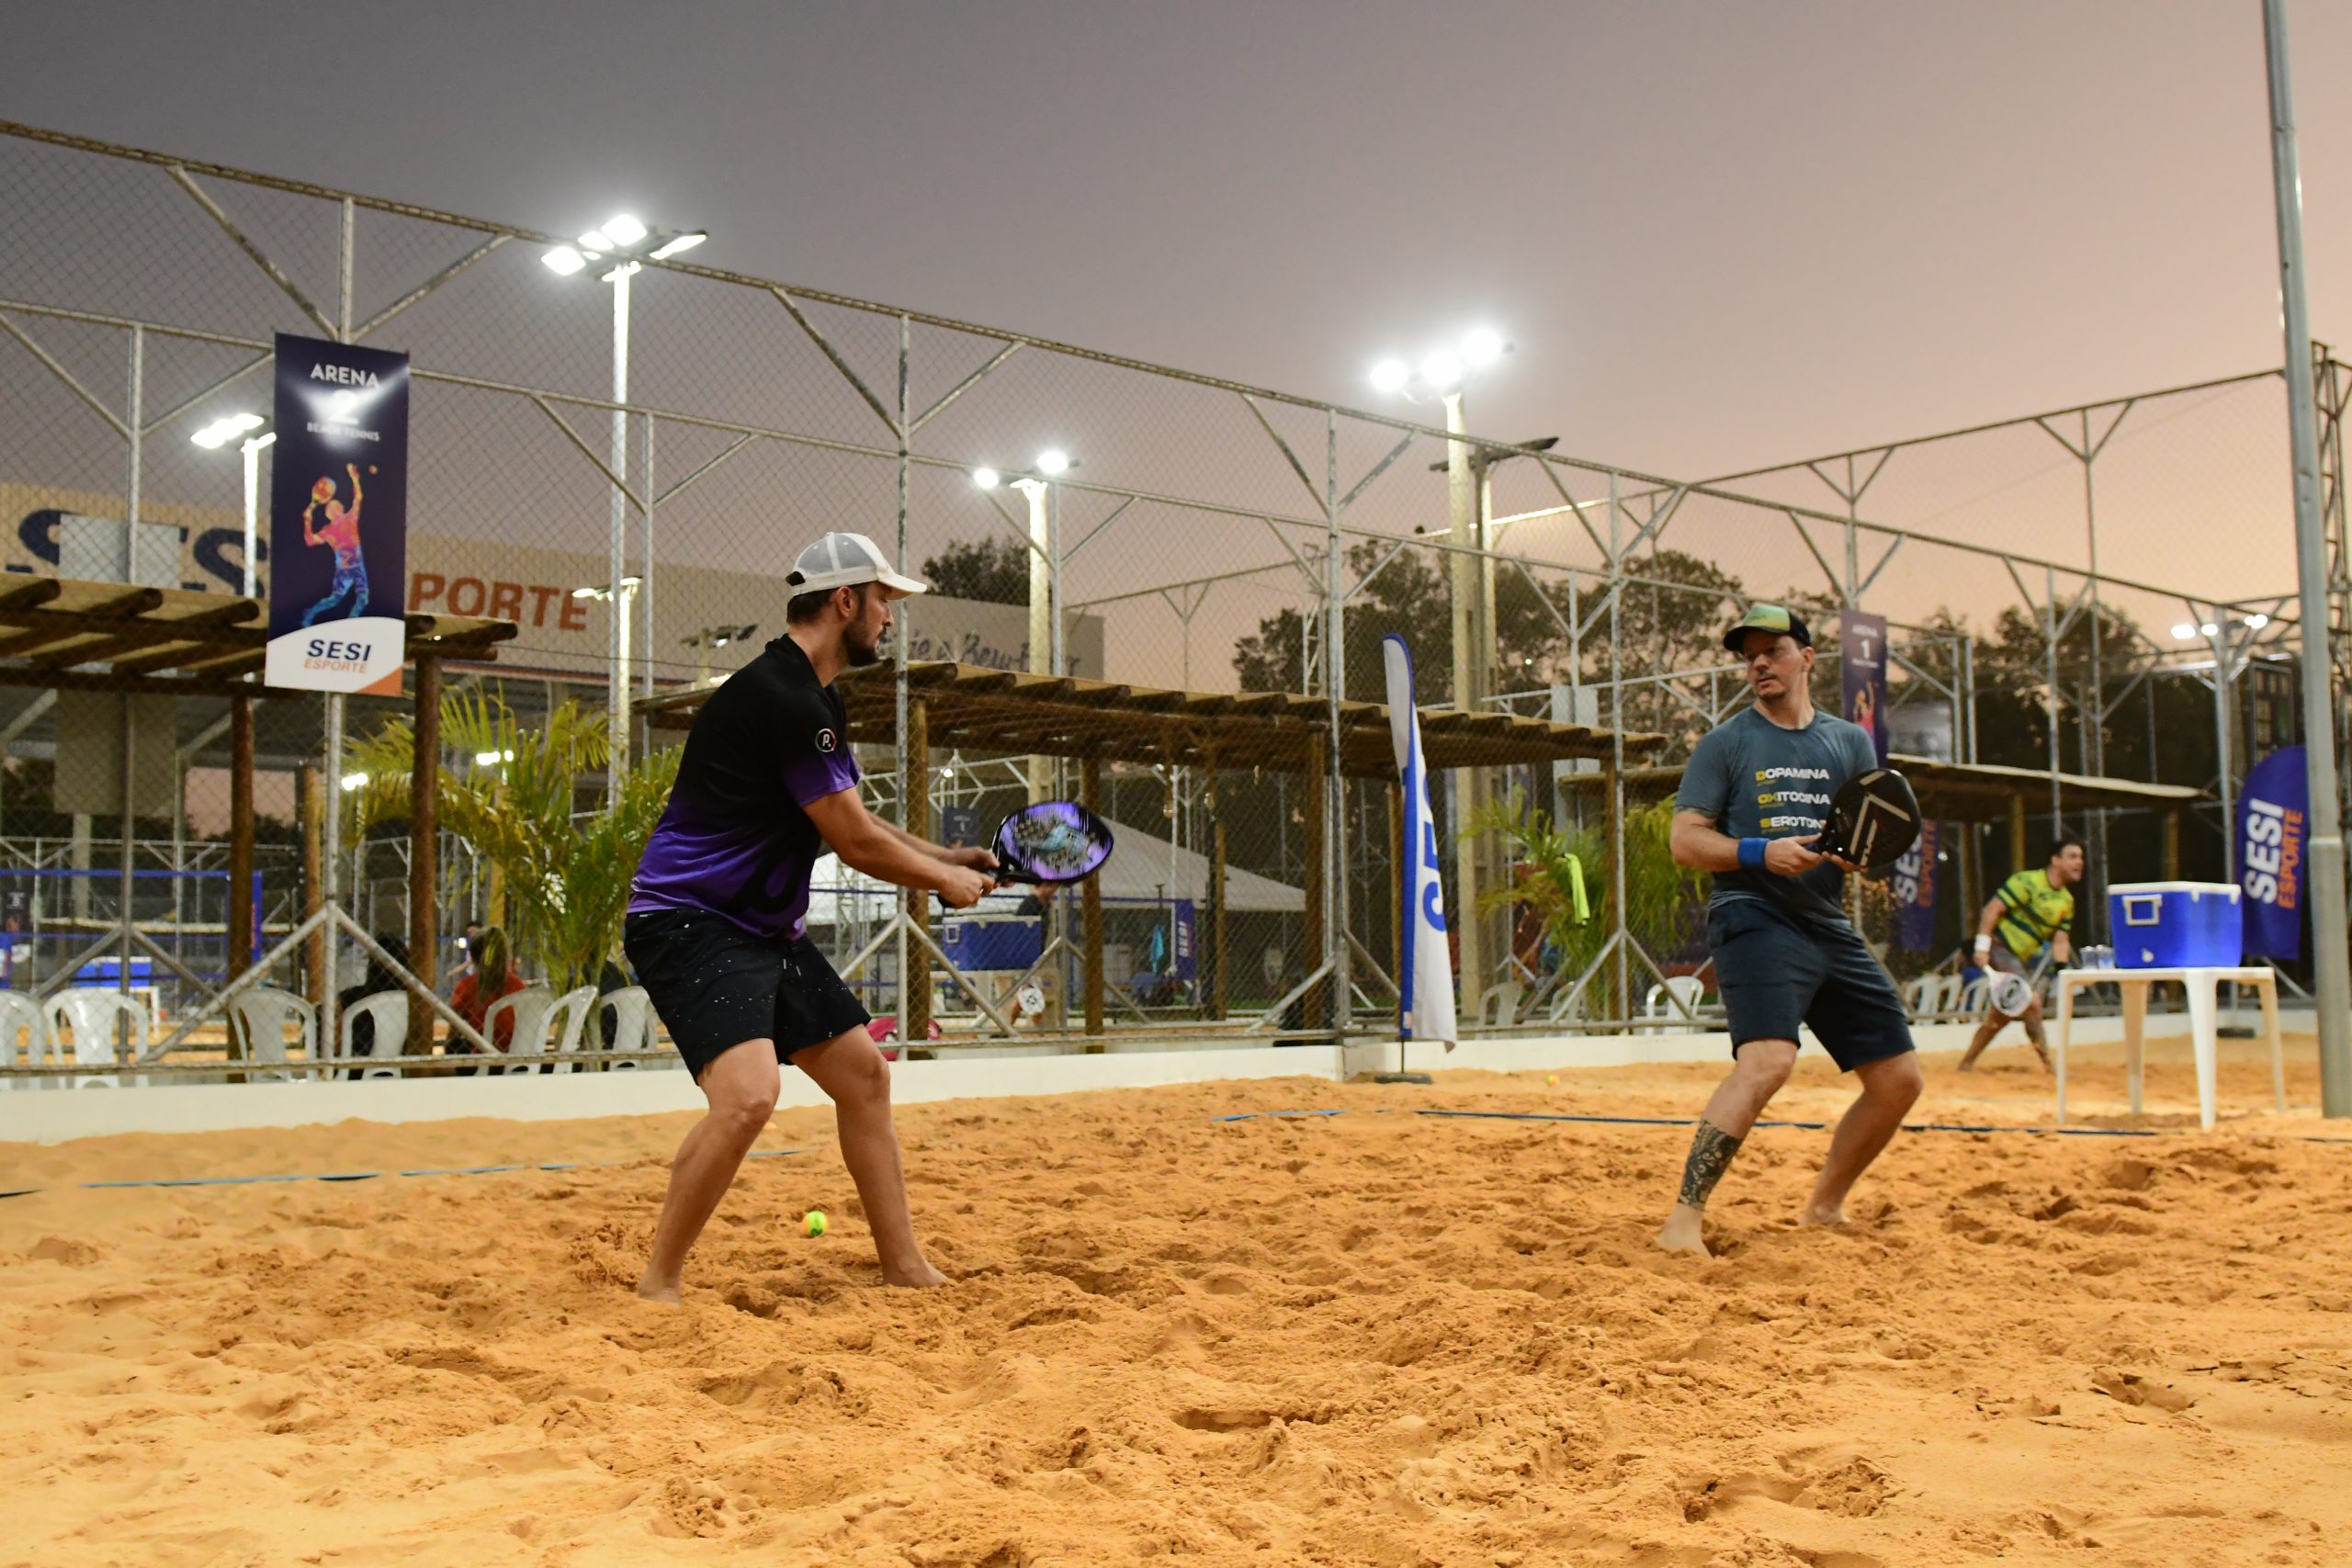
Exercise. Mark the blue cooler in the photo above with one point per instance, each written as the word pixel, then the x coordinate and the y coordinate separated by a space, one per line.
pixel 2176 925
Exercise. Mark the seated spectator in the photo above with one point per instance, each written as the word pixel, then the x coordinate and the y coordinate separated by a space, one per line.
pixel 493 978
pixel 378 979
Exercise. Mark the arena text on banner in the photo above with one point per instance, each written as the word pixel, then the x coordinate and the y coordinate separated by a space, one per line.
pixel 1425 966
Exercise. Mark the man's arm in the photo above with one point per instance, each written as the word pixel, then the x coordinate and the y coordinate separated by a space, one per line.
pixel 978 860
pixel 1695 843
pixel 354 469
pixel 870 845
pixel 1988 919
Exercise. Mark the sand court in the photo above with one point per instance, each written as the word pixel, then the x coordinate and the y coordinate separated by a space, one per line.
pixel 1370 1338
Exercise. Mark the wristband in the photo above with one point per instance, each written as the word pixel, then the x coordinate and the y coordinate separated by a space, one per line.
pixel 1751 853
pixel 1984 947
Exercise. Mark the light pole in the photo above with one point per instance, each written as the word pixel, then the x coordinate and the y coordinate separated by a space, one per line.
pixel 2222 634
pixel 625 240
pixel 710 638
pixel 1441 375
pixel 1038 487
pixel 219 433
pixel 619 595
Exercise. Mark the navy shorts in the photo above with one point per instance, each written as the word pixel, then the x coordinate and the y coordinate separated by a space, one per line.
pixel 716 986
pixel 1776 970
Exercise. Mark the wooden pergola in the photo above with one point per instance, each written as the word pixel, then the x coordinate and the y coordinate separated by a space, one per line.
pixel 1013 712
pixel 65 633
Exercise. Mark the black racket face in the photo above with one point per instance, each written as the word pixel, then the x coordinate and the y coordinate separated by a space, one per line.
pixel 1873 820
pixel 1054 840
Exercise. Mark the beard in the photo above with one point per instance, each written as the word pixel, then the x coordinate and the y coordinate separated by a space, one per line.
pixel 860 654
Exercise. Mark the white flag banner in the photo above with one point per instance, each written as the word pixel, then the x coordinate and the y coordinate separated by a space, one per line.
pixel 1425 967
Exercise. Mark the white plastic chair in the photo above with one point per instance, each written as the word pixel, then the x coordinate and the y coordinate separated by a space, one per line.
pixel 568 1023
pixel 19 1012
pixel 1498 1004
pixel 1920 994
pixel 1685 988
pixel 390 1010
pixel 91 1016
pixel 258 1016
pixel 528 1008
pixel 632 1010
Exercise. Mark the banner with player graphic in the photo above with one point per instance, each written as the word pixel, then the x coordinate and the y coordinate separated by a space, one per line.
pixel 338 518
pixel 1425 967
pixel 1862 674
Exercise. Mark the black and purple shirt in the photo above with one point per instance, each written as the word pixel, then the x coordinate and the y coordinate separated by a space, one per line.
pixel 734 839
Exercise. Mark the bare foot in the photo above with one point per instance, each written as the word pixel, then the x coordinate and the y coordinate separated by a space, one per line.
pixel 921 1277
pixel 2043 1052
pixel 1680 1232
pixel 663 1291
pixel 1815 1214
pixel 1968 1064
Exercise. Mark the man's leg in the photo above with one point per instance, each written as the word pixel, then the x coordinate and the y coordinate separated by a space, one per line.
pixel 741 1086
pixel 1890 1087
pixel 854 1076
pixel 2031 1018
pixel 1986 1032
pixel 1759 1068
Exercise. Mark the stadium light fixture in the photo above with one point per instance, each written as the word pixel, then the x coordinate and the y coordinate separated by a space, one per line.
pixel 2209 629
pixel 622 230
pixel 1053 462
pixel 2257 621
pixel 1391 375
pixel 564 260
pixel 1481 346
pixel 1442 370
pixel 677 242
pixel 987 478
pixel 227 428
pixel 2183 629
pixel 354 781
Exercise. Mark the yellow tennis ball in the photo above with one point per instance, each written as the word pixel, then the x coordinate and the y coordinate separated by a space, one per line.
pixel 1553 1081
pixel 816 1222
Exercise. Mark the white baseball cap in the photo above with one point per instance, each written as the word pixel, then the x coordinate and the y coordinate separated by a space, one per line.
pixel 845 561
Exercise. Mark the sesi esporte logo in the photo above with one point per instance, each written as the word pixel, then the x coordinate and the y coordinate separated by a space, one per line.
pixel 363 653
pixel 827 741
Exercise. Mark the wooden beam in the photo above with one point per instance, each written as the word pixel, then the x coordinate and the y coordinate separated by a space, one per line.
pixel 240 834
pixel 314 966
pixel 1090 786
pixel 1220 965
pixel 163 686
pixel 915 804
pixel 1315 810
pixel 2017 833
pixel 424 853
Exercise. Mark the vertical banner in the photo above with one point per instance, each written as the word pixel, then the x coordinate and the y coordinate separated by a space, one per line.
pixel 1184 921
pixel 1861 673
pixel 2274 810
pixel 1425 968
pixel 1914 887
pixel 338 518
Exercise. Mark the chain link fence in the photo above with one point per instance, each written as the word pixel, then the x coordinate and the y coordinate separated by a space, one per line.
pixel 1201 544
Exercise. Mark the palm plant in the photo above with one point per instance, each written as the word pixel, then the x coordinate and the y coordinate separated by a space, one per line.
pixel 517 801
pixel 1659 894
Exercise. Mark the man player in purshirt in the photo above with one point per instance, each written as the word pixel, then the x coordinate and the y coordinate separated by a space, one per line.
pixel 716 927
pixel 1754 799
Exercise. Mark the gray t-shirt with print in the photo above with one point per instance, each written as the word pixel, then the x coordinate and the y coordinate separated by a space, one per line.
pixel 1754 780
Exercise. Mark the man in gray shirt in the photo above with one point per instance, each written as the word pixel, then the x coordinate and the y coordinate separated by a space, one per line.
pixel 1754 796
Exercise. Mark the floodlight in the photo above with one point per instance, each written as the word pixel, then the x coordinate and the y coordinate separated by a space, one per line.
pixel 354 781
pixel 225 429
pixel 2209 629
pixel 623 230
pixel 596 242
pixel 987 478
pixel 1482 345
pixel 676 243
pixel 1053 460
pixel 2183 629
pixel 2257 621
pixel 1390 376
pixel 563 259
pixel 1442 370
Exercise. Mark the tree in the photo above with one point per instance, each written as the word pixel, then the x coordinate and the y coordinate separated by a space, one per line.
pixel 567 870
pixel 994 570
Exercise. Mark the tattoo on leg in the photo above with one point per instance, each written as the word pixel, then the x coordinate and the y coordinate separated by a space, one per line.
pixel 1711 1152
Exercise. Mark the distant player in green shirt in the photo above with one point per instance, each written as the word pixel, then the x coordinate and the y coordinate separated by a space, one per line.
pixel 2026 918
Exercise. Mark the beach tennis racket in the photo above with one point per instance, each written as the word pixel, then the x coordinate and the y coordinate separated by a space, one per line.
pixel 1050 842
pixel 1872 821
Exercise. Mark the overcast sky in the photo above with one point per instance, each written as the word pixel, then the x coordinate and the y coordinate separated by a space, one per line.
pixel 1720 235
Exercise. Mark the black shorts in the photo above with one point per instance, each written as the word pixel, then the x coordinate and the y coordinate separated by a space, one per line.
pixel 716 986
pixel 1776 970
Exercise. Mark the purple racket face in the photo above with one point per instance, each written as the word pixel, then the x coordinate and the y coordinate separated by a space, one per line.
pixel 1054 840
